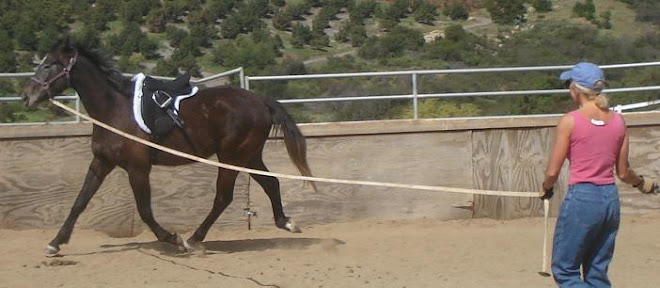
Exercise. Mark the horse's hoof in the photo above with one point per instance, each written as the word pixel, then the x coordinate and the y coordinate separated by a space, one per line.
pixel 195 247
pixel 178 241
pixel 52 250
pixel 287 224
pixel 292 227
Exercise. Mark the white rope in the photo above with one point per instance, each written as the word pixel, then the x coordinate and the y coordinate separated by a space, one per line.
pixel 295 177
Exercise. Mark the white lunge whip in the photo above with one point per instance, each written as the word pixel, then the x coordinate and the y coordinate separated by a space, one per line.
pixel 544 268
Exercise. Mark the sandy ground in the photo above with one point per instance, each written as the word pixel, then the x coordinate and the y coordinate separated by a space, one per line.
pixel 374 253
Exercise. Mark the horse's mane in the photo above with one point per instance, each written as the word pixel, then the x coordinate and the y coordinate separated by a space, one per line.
pixel 108 66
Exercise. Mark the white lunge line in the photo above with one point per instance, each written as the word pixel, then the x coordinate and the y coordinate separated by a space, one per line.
pixel 295 177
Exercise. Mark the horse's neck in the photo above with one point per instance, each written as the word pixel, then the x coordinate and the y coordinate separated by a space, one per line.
pixel 101 99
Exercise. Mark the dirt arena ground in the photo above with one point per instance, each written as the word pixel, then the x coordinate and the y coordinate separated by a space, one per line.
pixel 373 253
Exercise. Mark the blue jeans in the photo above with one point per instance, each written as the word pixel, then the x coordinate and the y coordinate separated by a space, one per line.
pixel 584 236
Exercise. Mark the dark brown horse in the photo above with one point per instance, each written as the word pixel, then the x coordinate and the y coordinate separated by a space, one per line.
pixel 227 121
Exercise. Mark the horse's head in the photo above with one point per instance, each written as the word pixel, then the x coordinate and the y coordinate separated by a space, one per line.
pixel 52 75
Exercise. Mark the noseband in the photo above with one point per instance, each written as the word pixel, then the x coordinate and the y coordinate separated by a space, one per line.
pixel 65 72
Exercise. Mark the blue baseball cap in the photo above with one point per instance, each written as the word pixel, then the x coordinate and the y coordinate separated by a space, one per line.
pixel 586 74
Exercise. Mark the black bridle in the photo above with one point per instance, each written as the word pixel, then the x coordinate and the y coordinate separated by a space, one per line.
pixel 65 72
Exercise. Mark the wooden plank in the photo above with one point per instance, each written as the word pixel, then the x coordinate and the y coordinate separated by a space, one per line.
pixel 645 160
pixel 514 160
pixel 359 128
pixel 183 196
pixel 425 158
pixel 41 179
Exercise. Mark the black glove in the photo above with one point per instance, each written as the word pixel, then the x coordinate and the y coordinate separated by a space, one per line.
pixel 547 193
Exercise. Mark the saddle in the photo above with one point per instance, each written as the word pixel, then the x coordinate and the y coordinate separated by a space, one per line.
pixel 158 109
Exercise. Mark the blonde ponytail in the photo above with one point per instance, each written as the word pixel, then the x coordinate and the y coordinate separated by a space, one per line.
pixel 601 101
pixel 598 97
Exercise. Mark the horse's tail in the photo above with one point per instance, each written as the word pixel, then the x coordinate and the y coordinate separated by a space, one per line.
pixel 294 140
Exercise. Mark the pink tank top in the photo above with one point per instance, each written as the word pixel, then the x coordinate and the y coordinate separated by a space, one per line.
pixel 594 148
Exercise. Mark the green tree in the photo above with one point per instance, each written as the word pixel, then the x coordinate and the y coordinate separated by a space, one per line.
pixel 96 18
pixel 26 61
pixel 282 20
pixel 176 8
pixel 294 67
pixel 357 35
pixel 129 64
pixel 354 32
pixel 400 8
pixel 646 10
pixel 134 10
pixel 301 35
pixel 456 11
pixel 165 68
pixel 48 38
pixel 297 11
pixel 387 17
pixel 542 6
pixel 437 108
pixel 425 13
pixel 258 8
pixel 156 20
pixel 278 3
pixel 231 27
pixel 7 57
pixel 130 37
pixel 455 33
pixel 361 10
pixel 605 20
pixel 220 8
pixel 586 10
pixel 393 44
pixel 506 11
pixel 202 34
pixel 187 49
pixel 87 37
pixel 319 40
pixel 25 35
pixel 245 52
pixel 319 24
pixel 175 35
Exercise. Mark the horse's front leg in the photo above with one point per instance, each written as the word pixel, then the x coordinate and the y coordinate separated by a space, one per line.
pixel 139 179
pixel 97 171
pixel 223 197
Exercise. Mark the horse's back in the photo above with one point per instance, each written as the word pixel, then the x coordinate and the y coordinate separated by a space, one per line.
pixel 226 117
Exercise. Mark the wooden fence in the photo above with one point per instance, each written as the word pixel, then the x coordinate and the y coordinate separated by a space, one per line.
pixel 42 169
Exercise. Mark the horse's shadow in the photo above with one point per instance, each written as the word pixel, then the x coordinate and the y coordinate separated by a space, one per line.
pixel 225 246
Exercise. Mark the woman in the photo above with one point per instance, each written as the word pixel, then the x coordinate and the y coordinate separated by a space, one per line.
pixel 594 139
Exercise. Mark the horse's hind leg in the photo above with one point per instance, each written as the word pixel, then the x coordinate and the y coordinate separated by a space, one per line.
pixel 224 194
pixel 95 176
pixel 139 179
pixel 271 186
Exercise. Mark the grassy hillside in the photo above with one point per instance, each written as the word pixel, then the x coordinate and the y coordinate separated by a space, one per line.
pixel 284 37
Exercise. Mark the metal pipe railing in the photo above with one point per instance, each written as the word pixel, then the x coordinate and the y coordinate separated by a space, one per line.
pixel 459 94
pixel 414 89
pixel 245 82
